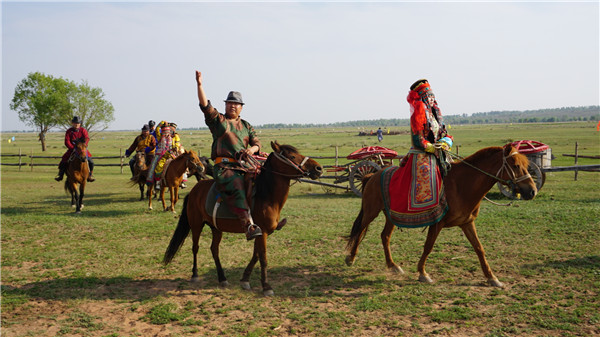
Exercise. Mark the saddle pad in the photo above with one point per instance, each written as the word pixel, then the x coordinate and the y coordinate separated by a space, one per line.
pixel 223 212
pixel 413 197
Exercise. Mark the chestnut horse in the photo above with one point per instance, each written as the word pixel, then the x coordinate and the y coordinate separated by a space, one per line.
pixel 77 174
pixel 272 188
pixel 466 184
pixel 140 172
pixel 172 177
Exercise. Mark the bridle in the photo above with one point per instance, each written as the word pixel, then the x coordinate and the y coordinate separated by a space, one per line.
pixel 297 167
pixel 199 168
pixel 82 155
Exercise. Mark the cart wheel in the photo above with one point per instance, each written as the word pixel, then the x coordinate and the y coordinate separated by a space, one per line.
pixel 358 172
pixel 538 176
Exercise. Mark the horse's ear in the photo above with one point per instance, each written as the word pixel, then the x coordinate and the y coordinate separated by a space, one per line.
pixel 507 149
pixel 275 146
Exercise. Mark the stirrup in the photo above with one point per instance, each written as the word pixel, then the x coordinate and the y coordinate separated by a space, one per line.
pixel 58 178
pixel 253 232
pixel 91 178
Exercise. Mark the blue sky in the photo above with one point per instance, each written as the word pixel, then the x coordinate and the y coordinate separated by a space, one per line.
pixel 311 62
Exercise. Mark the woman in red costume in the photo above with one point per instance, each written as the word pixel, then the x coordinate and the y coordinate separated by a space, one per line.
pixel 416 189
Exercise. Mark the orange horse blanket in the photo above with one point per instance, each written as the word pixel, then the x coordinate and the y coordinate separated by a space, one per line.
pixel 413 194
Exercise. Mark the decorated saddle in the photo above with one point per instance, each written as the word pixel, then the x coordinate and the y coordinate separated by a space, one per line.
pixel 413 194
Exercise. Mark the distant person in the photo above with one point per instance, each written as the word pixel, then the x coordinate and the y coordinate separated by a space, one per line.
pixel 232 136
pixel 161 154
pixel 71 136
pixel 142 143
pixel 178 149
pixel 379 135
pixel 152 125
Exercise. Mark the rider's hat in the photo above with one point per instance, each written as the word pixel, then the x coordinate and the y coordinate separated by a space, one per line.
pixel 173 125
pixel 151 123
pixel 145 127
pixel 235 97
pixel 422 87
pixel 76 119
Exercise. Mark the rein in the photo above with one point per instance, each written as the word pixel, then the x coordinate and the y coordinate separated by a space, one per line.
pixel 512 182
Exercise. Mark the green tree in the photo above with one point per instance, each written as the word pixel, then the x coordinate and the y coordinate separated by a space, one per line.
pixel 42 102
pixel 89 103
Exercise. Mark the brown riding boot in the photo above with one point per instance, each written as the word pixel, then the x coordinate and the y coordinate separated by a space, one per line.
pixel 91 178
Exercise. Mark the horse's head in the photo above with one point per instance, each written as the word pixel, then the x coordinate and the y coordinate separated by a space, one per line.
pixel 193 163
pixel 81 149
pixel 292 164
pixel 140 159
pixel 514 172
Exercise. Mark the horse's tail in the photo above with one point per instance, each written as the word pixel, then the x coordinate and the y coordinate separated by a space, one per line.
pixel 181 232
pixel 358 233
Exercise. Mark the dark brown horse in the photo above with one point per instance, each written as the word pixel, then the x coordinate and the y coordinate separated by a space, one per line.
pixel 77 172
pixel 140 173
pixel 172 177
pixel 272 188
pixel 466 184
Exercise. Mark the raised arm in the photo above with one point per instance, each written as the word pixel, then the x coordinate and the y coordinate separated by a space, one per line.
pixel 201 96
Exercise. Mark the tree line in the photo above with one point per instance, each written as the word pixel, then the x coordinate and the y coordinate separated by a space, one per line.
pixel 44 102
pixel 566 114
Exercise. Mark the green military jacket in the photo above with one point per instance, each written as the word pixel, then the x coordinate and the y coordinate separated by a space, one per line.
pixel 229 136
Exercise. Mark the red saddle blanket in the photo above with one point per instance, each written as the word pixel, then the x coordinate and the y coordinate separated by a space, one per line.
pixel 413 194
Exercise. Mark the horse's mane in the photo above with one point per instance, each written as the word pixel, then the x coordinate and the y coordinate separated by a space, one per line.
pixel 265 181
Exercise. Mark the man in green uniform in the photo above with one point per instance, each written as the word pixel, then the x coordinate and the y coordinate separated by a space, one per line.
pixel 231 136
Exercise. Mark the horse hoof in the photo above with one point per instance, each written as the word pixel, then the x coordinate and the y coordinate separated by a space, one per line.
pixel 495 283
pixel 268 293
pixel 82 206
pixel 425 279
pixel 73 206
pixel 78 212
pixel 349 261
pixel 150 208
pixel 224 284
pixel 245 285
pixel 396 270
pixel 195 279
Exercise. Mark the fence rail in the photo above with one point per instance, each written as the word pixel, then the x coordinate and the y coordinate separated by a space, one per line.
pixel 31 163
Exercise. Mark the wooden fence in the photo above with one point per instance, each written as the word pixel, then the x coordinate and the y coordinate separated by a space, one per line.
pixel 30 161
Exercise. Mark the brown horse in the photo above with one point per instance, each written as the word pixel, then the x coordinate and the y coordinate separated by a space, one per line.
pixel 272 188
pixel 140 172
pixel 466 184
pixel 77 172
pixel 172 177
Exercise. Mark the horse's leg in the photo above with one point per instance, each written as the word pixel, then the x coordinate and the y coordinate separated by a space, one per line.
pixel 217 235
pixel 162 196
pixel 195 238
pixel 141 185
pixel 367 214
pixel 260 244
pixel 81 193
pixel 245 281
pixel 432 235
pixel 471 234
pixel 151 188
pixel 386 234
pixel 173 190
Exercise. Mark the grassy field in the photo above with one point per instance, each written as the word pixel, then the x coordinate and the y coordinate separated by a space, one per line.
pixel 99 273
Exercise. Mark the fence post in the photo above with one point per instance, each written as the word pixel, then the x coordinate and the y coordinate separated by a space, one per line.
pixel 121 159
pixel 31 163
pixel 576 154
pixel 336 160
pixel 19 159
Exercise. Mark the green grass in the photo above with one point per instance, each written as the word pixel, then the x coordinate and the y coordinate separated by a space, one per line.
pixel 67 274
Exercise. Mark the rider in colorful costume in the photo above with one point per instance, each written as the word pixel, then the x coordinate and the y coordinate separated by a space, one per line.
pixel 232 137
pixel 74 133
pixel 161 154
pixel 145 143
pixel 178 149
pixel 419 198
